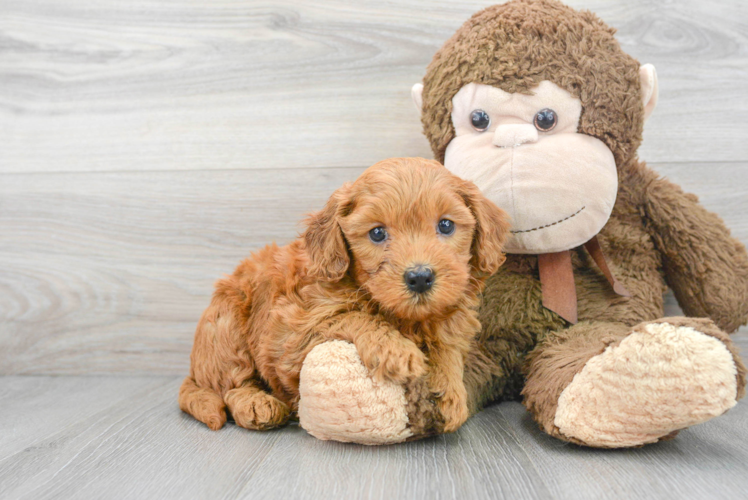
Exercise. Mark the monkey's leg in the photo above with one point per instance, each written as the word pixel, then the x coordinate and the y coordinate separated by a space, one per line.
pixel 342 401
pixel 253 408
pixel 611 386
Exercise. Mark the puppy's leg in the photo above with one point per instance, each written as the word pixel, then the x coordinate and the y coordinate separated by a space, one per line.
pixel 203 404
pixel 445 379
pixel 220 359
pixel 383 350
pixel 253 408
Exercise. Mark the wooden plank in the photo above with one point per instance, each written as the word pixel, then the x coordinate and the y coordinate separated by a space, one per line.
pixel 109 272
pixel 36 407
pixel 482 460
pixel 705 461
pixel 143 447
pixel 191 85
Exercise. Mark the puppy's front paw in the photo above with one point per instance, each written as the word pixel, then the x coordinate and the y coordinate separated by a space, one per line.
pixel 397 359
pixel 454 409
pixel 452 402
pixel 256 410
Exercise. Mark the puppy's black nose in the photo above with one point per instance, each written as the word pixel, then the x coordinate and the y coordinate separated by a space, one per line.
pixel 419 279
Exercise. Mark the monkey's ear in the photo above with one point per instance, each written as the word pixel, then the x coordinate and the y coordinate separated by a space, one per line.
pixel 325 244
pixel 416 93
pixel 491 230
pixel 650 90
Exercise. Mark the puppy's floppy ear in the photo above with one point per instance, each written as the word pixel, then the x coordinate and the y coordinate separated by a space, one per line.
pixel 325 244
pixel 491 229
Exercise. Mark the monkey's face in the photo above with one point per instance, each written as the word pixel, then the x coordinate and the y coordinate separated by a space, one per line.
pixel 526 155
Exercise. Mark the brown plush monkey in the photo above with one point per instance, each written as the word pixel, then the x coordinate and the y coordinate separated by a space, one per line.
pixel 537 104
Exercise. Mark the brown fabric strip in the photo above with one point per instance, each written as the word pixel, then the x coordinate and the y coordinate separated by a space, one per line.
pixel 596 252
pixel 557 282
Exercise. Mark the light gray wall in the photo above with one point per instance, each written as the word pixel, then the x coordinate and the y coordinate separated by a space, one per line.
pixel 146 147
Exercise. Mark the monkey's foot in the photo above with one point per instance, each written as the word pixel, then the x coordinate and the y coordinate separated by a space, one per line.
pixel 662 377
pixel 340 401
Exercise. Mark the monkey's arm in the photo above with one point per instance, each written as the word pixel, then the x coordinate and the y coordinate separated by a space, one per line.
pixel 706 268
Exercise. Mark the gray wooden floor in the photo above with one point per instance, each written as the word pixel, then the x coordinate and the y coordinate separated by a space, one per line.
pixel 146 147
pixel 124 437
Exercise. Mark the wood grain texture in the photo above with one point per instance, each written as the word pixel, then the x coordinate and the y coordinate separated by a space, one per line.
pixel 148 147
pixel 141 446
pixel 109 272
pixel 190 85
pixel 34 408
pixel 706 461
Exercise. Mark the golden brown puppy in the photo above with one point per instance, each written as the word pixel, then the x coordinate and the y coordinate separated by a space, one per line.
pixel 394 264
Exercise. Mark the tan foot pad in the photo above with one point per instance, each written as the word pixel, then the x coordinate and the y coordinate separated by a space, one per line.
pixel 659 379
pixel 340 401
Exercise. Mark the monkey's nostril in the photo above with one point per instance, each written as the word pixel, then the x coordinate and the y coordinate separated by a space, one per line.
pixel 419 279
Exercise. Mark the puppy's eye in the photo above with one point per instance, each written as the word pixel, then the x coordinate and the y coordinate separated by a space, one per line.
pixel 378 234
pixel 446 227
pixel 545 120
pixel 480 120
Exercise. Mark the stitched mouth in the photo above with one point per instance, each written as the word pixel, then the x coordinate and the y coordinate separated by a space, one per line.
pixel 549 225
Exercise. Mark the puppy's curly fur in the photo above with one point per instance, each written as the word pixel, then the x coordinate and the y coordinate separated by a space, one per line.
pixel 336 283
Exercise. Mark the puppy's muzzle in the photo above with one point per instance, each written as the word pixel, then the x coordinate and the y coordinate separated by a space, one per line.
pixel 419 278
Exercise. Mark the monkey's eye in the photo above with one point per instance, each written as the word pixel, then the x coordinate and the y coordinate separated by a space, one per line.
pixel 378 234
pixel 480 120
pixel 446 227
pixel 545 120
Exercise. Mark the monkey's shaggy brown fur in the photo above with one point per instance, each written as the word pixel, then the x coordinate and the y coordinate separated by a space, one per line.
pixel 515 46
pixel 335 283
pixel 657 235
